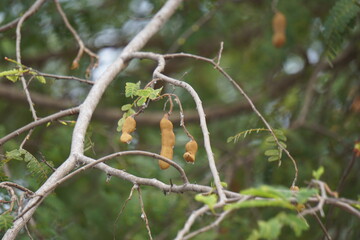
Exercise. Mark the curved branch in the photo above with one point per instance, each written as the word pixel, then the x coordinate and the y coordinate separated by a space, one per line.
pixel 29 12
pixel 41 121
pixel 119 154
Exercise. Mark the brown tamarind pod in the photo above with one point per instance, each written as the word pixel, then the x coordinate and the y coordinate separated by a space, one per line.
pixel 279 22
pixel 167 141
pixel 191 148
pixel 279 27
pixel 278 40
pixel 128 127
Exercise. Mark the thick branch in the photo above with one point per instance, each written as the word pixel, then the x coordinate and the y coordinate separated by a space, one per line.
pixel 89 105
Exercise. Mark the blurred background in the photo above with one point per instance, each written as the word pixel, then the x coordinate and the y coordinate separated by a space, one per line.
pixel 309 88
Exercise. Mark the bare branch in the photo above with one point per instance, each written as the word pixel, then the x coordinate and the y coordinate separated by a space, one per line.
pixel 119 154
pixel 82 47
pixel 28 13
pixel 143 213
pixel 208 227
pixel 123 207
pixel 36 123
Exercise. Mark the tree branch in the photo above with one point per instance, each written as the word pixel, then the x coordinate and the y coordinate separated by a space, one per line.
pixel 88 107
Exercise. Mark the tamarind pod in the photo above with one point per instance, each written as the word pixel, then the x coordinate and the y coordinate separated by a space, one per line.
pixel 191 148
pixel 168 138
pixel 168 153
pixel 125 137
pixel 128 127
pixel 279 27
pixel 278 40
pixel 167 141
pixel 279 22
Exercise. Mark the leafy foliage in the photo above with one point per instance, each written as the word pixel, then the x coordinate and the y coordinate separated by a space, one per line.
pixel 6 221
pixel 271 229
pixel 39 170
pixel 338 24
pixel 282 197
pixel 317 173
pixel 143 95
pixel 273 154
pixel 244 134
pixel 14 74
pixel 209 200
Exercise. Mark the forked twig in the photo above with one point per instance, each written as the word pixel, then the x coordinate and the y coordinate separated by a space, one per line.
pixel 123 208
pixel 94 59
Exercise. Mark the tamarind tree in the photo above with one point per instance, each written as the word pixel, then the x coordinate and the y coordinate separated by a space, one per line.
pixel 141 119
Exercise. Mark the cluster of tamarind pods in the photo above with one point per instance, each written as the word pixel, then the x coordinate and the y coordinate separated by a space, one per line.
pixel 167 140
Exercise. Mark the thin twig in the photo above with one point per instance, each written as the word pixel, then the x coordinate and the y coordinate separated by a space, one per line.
pixel 220 53
pixel 323 228
pixel 237 86
pixel 322 198
pixel 123 208
pixel 346 173
pixel 208 227
pixel 18 59
pixel 26 138
pixel 309 94
pixel 82 47
pixel 190 221
pixel 191 30
pixel 28 13
pixel 143 213
pixel 65 77
pixel 38 122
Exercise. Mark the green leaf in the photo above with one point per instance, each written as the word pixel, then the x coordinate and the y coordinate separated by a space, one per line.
pixel 130 112
pixel 63 122
pixel 121 123
pixel 6 221
pixel 282 144
pixel 131 89
pixel 13 78
pixel 272 152
pixel 273 158
pixel 155 93
pixel 141 101
pixel 224 184
pixel 269 192
pixel 9 72
pixel 317 174
pixel 209 200
pixel 298 225
pixel 16 154
pixel 260 203
pixel 144 92
pixel 41 79
pixel 304 194
pixel 39 170
pixel 126 107
pixel 230 139
pixel 271 229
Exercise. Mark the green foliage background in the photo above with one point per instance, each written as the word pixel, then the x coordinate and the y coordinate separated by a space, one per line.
pixel 87 206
